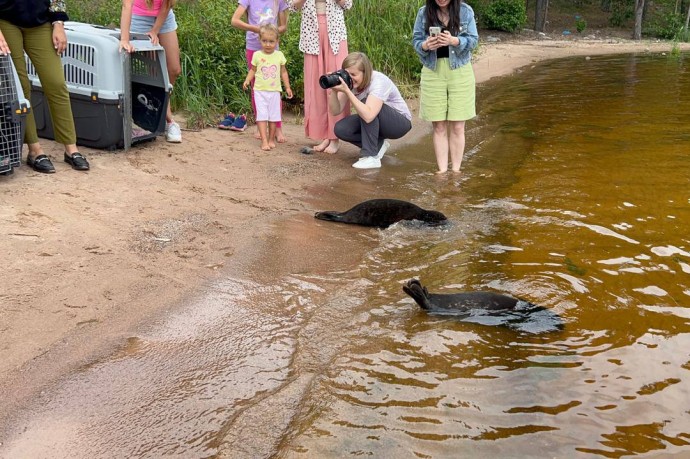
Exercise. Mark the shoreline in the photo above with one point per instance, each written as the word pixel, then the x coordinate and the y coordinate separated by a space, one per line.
pixel 92 256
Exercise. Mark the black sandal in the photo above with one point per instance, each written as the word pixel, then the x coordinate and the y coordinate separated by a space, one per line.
pixel 77 161
pixel 41 163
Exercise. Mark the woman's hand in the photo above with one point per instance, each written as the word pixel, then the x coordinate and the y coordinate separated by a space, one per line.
pixel 59 38
pixel 342 87
pixel 446 39
pixel 4 48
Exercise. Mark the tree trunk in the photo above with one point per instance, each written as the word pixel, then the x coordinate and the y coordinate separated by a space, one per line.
pixel 687 20
pixel 540 8
pixel 639 9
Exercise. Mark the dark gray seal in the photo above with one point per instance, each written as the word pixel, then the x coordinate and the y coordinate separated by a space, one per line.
pixel 486 308
pixel 463 301
pixel 382 213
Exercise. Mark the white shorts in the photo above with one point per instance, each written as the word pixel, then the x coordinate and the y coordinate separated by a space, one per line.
pixel 267 106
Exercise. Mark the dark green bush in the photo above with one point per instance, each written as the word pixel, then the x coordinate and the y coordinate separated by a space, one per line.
pixel 506 15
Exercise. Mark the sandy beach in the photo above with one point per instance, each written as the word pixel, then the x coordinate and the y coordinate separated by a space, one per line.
pixel 88 256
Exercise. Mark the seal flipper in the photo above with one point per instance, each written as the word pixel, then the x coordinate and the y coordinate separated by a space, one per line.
pixel 417 292
pixel 329 215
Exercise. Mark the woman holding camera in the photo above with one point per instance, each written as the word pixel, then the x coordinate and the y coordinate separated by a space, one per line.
pixel 381 111
pixel 323 40
pixel 445 33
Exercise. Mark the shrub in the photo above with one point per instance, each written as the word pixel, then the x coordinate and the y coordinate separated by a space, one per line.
pixel 506 15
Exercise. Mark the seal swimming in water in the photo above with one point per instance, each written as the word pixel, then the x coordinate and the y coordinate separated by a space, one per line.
pixel 486 308
pixel 382 213
pixel 464 301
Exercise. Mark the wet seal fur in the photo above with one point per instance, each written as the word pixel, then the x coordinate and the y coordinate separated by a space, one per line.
pixel 464 301
pixel 382 213
pixel 486 308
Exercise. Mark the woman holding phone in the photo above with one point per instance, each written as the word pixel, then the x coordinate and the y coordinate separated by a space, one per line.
pixel 444 35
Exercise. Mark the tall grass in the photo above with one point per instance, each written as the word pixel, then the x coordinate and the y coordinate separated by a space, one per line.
pixel 213 56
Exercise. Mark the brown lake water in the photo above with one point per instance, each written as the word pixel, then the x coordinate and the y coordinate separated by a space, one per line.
pixel 574 195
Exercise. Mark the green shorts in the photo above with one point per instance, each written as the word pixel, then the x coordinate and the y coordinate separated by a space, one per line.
pixel 447 95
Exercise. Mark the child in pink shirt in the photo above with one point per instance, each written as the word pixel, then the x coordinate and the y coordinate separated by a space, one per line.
pixel 156 19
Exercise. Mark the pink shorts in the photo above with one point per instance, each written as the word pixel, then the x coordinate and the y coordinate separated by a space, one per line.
pixel 267 105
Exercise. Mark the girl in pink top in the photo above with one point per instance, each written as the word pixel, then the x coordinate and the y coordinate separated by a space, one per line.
pixel 156 19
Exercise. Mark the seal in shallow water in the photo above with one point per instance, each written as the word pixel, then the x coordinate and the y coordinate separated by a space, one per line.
pixel 382 213
pixel 486 308
pixel 464 301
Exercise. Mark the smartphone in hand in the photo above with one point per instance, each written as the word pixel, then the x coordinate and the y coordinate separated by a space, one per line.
pixel 434 31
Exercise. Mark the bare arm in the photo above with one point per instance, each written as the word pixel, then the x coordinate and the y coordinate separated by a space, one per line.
pixel 367 111
pixel 125 24
pixel 160 19
pixel 282 22
pixel 238 21
pixel 286 81
pixel 250 77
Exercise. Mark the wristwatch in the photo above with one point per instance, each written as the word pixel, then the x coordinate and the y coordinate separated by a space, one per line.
pixel 58 22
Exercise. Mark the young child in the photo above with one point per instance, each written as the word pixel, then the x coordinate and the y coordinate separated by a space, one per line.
pixel 249 16
pixel 267 70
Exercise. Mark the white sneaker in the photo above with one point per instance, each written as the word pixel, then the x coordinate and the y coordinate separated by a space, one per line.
pixel 173 133
pixel 384 148
pixel 367 162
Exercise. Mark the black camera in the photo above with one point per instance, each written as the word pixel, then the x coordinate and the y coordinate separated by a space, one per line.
pixel 333 79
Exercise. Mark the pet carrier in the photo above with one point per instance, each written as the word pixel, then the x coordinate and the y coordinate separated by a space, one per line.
pixel 118 98
pixel 13 108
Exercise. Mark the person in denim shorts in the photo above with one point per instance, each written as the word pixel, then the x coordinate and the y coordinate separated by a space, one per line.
pixel 156 19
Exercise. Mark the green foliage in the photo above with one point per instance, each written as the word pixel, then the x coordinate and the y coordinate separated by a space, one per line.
pixel 383 31
pixel 580 24
pixel 213 52
pixel 668 26
pixel 621 12
pixel 506 15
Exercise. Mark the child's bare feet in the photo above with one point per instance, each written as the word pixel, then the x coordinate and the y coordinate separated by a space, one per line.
pixel 279 135
pixel 265 146
pixel 441 172
pixel 333 147
pixel 271 144
pixel 257 134
pixel 322 146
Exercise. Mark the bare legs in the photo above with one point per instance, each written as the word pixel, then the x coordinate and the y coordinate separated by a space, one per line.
pixel 449 139
pixel 172 60
pixel 267 131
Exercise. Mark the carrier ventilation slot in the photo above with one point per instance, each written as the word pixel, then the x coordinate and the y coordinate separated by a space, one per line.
pixel 79 67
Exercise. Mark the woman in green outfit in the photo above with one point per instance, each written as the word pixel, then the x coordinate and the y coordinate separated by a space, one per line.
pixel 37 28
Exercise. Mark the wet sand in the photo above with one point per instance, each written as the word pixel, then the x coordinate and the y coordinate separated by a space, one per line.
pixel 90 256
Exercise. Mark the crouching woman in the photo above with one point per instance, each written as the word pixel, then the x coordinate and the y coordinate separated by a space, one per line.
pixel 381 112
